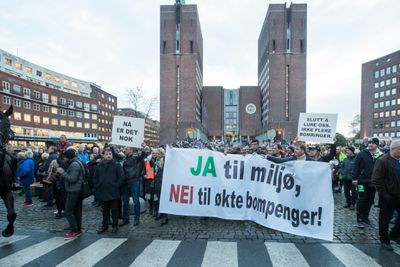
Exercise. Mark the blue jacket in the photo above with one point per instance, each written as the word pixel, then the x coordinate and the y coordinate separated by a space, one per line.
pixel 26 171
pixel 84 157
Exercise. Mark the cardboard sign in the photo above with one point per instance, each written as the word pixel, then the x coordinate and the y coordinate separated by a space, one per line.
pixel 128 131
pixel 294 197
pixel 317 127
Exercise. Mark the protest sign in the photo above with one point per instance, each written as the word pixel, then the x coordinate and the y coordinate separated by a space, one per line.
pixel 293 197
pixel 317 127
pixel 128 131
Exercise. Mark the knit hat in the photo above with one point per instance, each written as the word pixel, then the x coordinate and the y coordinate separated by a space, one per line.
pixel 374 140
pixel 70 153
pixel 352 149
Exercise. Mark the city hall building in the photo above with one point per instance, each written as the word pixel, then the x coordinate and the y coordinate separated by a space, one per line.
pixel 190 110
pixel 47 104
pixel 380 99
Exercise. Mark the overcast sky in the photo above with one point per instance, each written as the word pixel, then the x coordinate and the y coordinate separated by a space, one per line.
pixel 115 44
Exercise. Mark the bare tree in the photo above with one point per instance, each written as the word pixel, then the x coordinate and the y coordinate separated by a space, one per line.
pixel 355 126
pixel 143 106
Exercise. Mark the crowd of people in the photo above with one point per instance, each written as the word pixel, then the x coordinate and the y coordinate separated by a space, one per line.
pixel 115 174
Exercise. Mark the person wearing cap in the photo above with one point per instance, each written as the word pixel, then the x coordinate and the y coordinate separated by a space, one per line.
pixel 346 169
pixel 361 176
pixel 72 179
pixel 386 179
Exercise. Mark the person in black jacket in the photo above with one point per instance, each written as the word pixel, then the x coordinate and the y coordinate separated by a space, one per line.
pixel 107 182
pixel 346 169
pixel 386 179
pixel 133 167
pixel 361 176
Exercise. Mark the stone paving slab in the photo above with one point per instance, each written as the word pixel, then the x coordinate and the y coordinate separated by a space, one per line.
pixel 40 218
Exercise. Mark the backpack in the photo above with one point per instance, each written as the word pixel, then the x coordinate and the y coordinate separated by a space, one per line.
pixel 86 190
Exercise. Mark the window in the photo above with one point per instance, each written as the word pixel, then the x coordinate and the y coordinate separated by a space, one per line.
pixel 39 73
pixel 70 103
pixel 66 82
pixel 381 104
pixel 394 91
pixel 17 103
pixel 388 82
pixel 387 93
pixel 27 105
pixel 388 70
pixel 63 123
pixel 376 74
pixel 387 104
pixel 17 116
pixel 6 86
pixel 36 119
pixel 54 100
pixel 94 126
pixel 63 101
pixel 375 115
pixel 382 84
pixel 394 80
pixel 394 68
pixel 164 47
pixel 79 124
pixel 74 84
pixel 71 124
pixel 393 102
pixel 36 94
pixel 86 116
pixel 273 46
pixel 86 106
pixel 17 89
pixel 376 95
pixel 45 98
pixel 79 114
pixel 398 123
pixel 54 110
pixel 94 107
pixel 63 112
pixel 54 121
pixel 27 92
pixel 393 113
pixel 387 114
pixel 28 70
pixel 57 79
pixel 376 85
pixel 47 76
pixel 382 72
pixel 78 104
pixel 382 94
pixel 8 61
pixel 6 100
pixel 45 120
pixel 36 107
pixel 94 116
pixel 45 108
pixel 18 65
pixel 376 105
pixel 87 125
pixel 71 113
pixel 27 117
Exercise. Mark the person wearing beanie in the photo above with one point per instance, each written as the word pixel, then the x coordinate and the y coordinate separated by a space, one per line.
pixel 361 176
pixel 346 169
pixel 72 179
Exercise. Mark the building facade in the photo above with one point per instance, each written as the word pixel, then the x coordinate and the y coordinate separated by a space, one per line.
pixel 189 110
pixel 282 54
pixel 48 104
pixel 181 73
pixel 151 127
pixel 380 98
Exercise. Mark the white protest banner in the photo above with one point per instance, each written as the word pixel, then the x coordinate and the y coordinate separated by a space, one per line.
pixel 293 197
pixel 317 127
pixel 127 131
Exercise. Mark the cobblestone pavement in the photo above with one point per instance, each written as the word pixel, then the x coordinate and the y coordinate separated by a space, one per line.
pixel 39 218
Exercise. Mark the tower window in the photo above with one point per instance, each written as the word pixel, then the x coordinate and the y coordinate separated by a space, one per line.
pixel 164 46
pixel 301 46
pixel 273 46
pixel 191 46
